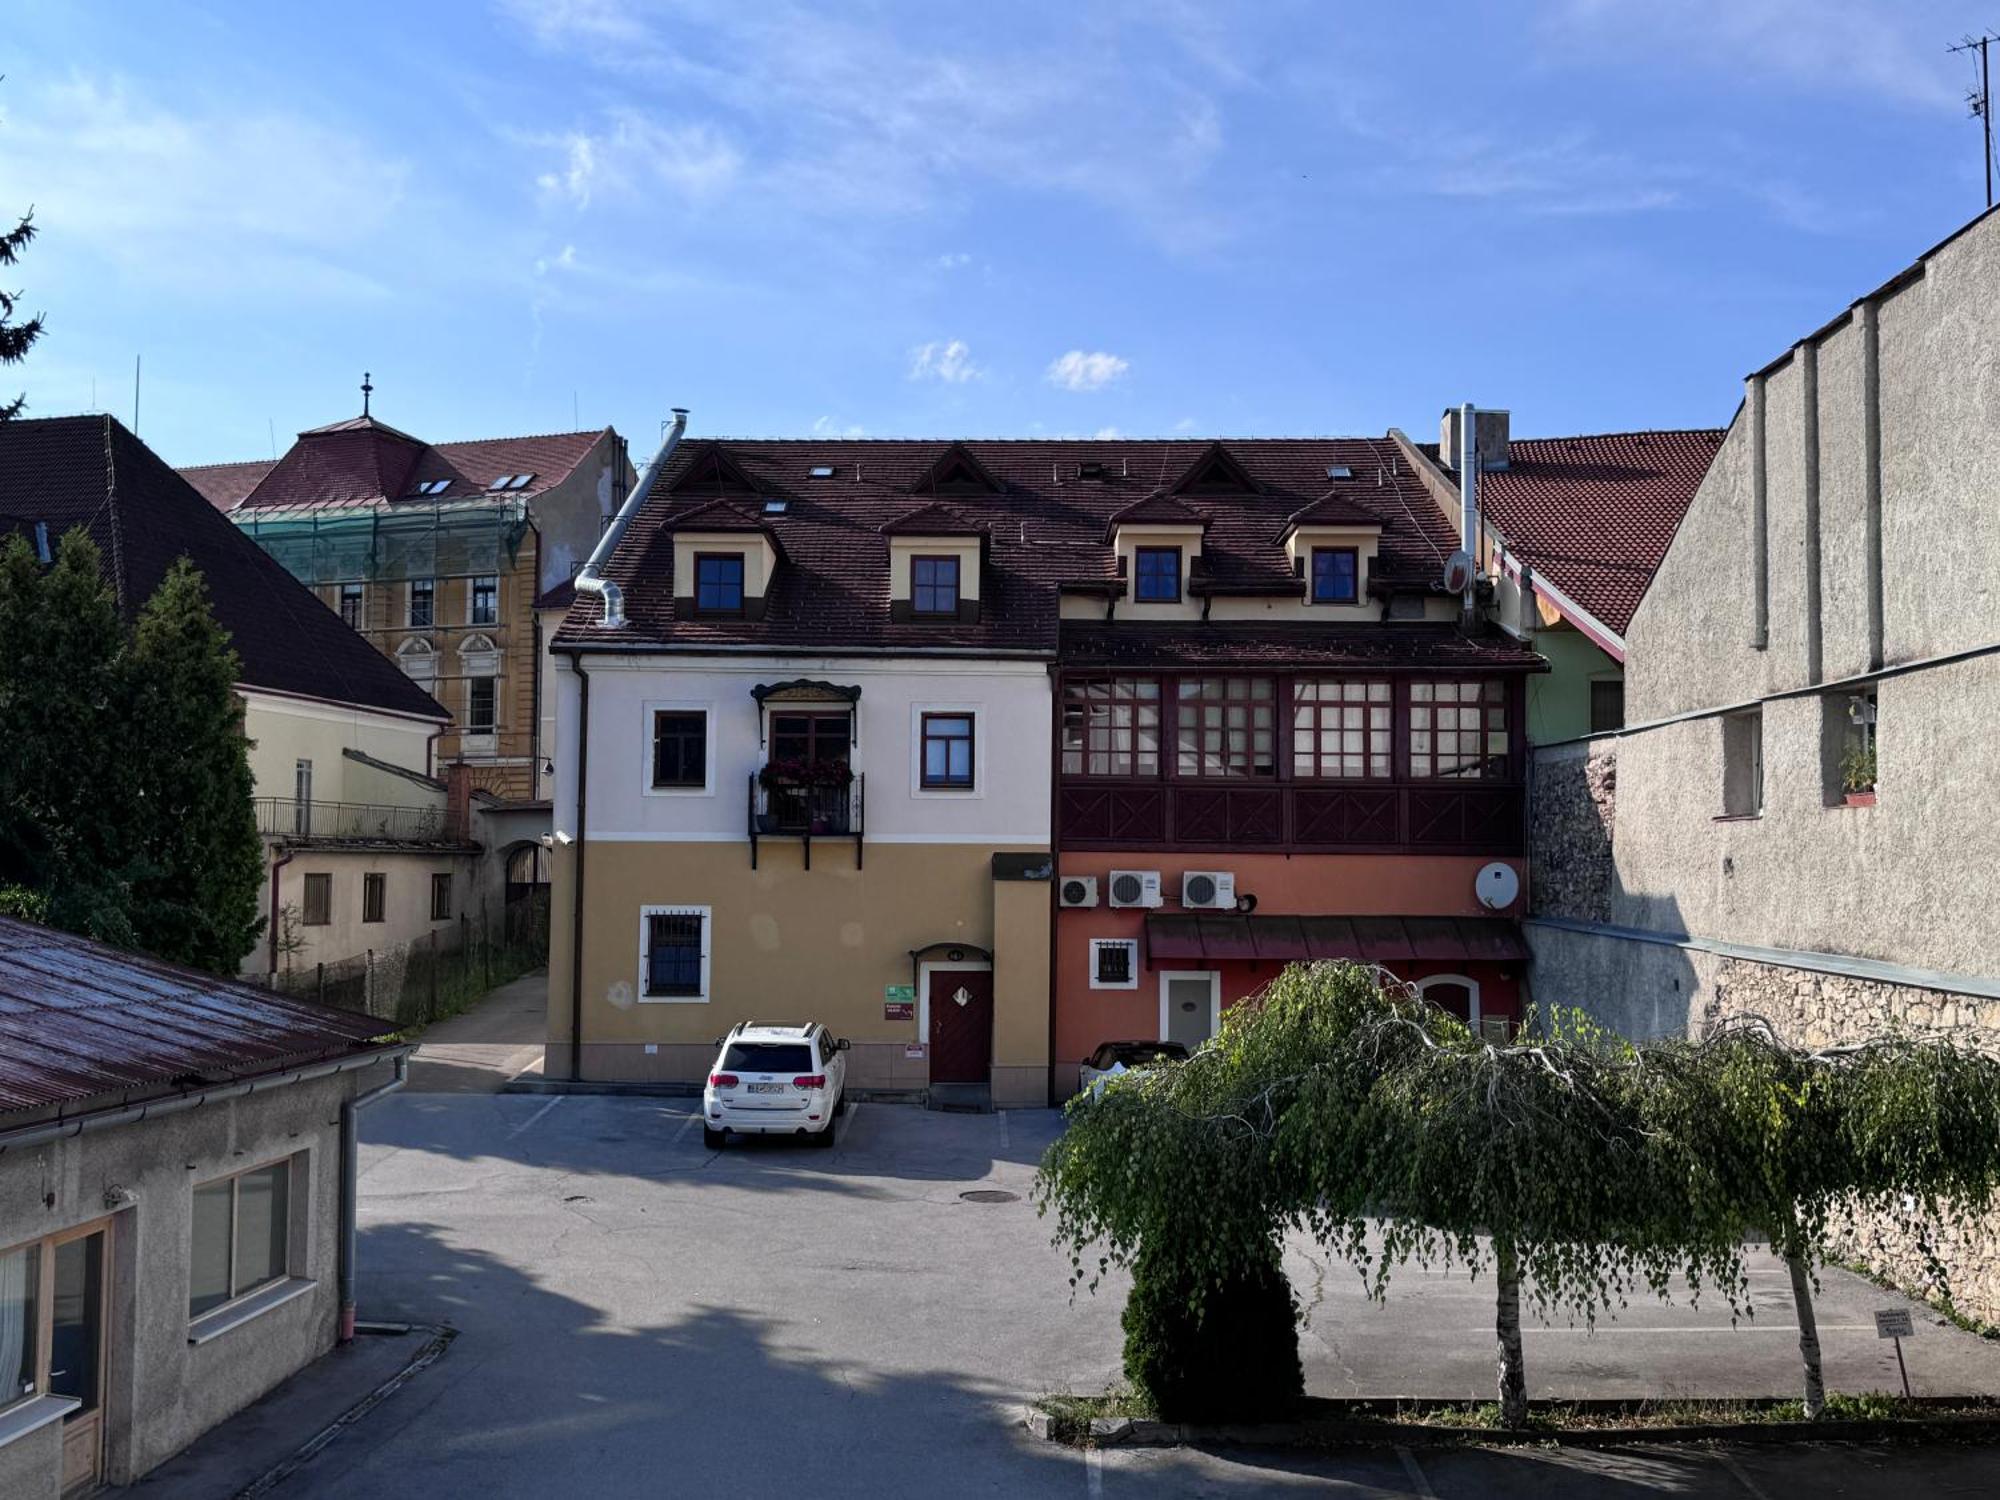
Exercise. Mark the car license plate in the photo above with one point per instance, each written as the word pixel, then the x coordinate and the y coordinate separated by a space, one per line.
pixel 767 1088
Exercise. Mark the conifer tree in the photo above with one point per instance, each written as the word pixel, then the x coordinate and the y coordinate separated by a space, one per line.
pixel 198 859
pixel 16 338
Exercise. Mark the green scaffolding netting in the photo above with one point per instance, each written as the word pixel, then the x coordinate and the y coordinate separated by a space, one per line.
pixel 375 545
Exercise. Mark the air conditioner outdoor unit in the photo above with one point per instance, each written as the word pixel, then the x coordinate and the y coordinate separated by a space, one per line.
pixel 1208 890
pixel 1135 887
pixel 1077 890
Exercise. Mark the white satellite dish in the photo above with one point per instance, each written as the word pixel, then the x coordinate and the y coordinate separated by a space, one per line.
pixel 1458 572
pixel 1497 886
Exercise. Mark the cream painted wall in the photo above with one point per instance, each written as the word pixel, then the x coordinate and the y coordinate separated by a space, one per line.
pixel 1009 700
pixel 758 559
pixel 903 548
pixel 283 731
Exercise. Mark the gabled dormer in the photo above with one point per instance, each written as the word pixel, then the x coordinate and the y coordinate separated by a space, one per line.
pixel 714 471
pixel 1158 542
pixel 1331 545
pixel 724 560
pixel 1216 472
pixel 936 555
pixel 956 472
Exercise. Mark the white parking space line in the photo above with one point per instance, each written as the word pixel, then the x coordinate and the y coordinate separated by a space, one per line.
pixel 1003 1130
pixel 1420 1486
pixel 843 1125
pixel 1093 1472
pixel 686 1126
pixel 1736 1470
pixel 536 1115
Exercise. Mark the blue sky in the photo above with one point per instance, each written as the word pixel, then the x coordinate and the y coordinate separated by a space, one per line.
pixel 925 218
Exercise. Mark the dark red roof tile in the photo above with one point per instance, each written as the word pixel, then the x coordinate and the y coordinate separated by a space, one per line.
pixel 1595 515
pixel 1226 643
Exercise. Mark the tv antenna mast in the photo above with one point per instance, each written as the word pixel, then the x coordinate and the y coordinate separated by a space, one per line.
pixel 1979 98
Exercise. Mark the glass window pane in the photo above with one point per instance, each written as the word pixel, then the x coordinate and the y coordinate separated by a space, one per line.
pixel 208 1280
pixel 76 1323
pixel 20 1277
pixel 262 1226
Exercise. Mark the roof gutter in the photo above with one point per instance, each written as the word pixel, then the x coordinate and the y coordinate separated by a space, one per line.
pixel 592 580
pixel 132 1114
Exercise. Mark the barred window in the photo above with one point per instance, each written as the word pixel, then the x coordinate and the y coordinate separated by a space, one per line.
pixel 1111 727
pixel 1458 729
pixel 674 954
pixel 1342 727
pixel 1227 727
pixel 1114 963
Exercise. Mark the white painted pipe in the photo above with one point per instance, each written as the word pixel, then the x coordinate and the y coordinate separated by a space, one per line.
pixel 591 579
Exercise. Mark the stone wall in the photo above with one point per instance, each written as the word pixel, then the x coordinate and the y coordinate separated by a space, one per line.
pixel 1819 1010
pixel 1572 812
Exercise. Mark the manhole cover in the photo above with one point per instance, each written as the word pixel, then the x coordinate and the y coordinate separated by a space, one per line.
pixel 990 1195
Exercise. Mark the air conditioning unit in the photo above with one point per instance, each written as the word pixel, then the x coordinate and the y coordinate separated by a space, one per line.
pixel 1208 890
pixel 1077 890
pixel 1135 887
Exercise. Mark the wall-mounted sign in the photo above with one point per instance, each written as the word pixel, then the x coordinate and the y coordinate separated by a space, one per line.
pixel 907 992
pixel 899 1010
pixel 914 1051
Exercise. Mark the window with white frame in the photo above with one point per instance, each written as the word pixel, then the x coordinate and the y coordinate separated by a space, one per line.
pixel 241 1240
pixel 1114 963
pixel 674 953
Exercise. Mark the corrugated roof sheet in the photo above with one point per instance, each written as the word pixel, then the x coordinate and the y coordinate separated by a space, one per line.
pixel 80 1020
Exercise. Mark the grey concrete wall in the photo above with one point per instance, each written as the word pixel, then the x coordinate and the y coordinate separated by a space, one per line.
pixel 31 1466
pixel 162 1391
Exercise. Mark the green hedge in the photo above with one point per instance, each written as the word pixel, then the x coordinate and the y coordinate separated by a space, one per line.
pixel 1235 1358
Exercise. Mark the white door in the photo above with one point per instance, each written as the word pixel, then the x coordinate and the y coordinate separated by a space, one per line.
pixel 1189 1007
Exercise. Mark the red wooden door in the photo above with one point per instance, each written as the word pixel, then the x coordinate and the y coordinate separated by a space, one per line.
pixel 961 1041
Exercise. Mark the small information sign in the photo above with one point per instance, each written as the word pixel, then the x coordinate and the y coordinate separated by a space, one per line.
pixel 1894 1323
pixel 898 1010
pixel 914 1051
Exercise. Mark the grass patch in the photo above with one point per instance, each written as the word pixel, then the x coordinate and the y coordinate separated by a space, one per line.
pixel 1070 1416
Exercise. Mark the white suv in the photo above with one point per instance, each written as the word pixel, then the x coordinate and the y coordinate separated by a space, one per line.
pixel 775 1078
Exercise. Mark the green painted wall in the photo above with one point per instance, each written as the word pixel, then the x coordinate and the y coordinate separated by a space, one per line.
pixel 1559 699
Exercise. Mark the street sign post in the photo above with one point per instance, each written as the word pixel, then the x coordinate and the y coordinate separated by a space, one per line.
pixel 1894 1323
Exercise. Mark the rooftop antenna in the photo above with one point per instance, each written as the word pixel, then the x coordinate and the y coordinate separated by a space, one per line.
pixel 1979 99
pixel 367 390
pixel 271 429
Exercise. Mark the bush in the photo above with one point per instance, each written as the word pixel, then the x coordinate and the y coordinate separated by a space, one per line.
pixel 1234 1356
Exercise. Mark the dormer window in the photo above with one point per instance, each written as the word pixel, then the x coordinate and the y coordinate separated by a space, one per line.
pixel 1336 575
pixel 718 583
pixel 1157 577
pixel 934 586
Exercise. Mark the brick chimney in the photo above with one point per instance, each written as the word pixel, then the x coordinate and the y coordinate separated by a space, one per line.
pixel 458 800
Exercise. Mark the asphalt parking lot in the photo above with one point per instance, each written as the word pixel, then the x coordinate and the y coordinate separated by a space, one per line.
pixel 649 1317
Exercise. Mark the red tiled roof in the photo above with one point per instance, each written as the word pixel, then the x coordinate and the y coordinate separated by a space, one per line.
pixel 934 519
pixel 1045 530
pixel 90 471
pixel 363 459
pixel 1594 515
pixel 225 485
pixel 81 1020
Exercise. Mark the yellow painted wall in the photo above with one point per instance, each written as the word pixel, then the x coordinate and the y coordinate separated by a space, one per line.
pixel 283 731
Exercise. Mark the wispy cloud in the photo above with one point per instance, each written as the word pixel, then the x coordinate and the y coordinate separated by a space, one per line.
pixel 1078 371
pixel 833 427
pixel 948 360
pixel 632 153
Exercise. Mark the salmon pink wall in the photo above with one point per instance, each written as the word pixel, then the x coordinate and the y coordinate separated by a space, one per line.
pixel 1345 885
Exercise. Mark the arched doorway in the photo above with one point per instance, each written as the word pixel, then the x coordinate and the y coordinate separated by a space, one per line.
pixel 1455 993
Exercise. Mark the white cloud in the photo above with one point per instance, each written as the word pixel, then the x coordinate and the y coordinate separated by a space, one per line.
pixel 831 427
pixel 156 187
pixel 1078 371
pixel 633 153
pixel 1107 433
pixel 1185 424
pixel 563 260
pixel 946 360
pixel 954 260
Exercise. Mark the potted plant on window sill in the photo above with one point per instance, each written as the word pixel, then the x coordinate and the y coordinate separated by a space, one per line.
pixel 1857 777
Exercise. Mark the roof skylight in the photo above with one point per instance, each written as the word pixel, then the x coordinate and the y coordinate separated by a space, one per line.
pixel 521 481
pixel 822 471
pixel 1339 471
pixel 776 507
pixel 433 487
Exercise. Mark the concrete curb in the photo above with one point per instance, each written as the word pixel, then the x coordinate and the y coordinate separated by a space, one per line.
pixel 1364 1431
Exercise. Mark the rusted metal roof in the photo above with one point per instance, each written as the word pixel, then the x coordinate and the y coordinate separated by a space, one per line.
pixel 80 1020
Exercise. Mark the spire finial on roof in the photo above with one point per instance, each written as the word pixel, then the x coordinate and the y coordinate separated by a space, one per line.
pixel 367 390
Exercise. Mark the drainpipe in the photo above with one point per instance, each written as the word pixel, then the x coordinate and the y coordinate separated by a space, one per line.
pixel 276 866
pixel 1468 507
pixel 350 1171
pixel 576 907
pixel 591 579
pixel 1055 860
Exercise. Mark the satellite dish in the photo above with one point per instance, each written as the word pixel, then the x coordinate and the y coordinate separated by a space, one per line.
pixel 1497 886
pixel 1458 572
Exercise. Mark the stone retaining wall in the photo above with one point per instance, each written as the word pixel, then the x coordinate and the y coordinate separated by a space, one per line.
pixel 1572 812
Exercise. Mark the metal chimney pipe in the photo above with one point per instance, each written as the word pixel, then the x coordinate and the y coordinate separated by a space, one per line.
pixel 592 580
pixel 1468 503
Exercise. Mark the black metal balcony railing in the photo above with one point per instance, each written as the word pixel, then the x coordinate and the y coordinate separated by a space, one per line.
pixel 288 817
pixel 806 812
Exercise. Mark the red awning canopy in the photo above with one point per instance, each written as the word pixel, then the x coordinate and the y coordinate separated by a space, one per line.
pixel 1383 940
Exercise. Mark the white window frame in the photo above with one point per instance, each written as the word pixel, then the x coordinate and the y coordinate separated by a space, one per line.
pixel 471 592
pixel 706 708
pixel 409 600
pixel 972 711
pixel 942 966
pixel 418 659
pixel 1214 978
pixel 646 915
pixel 1470 985
pixel 1130 944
